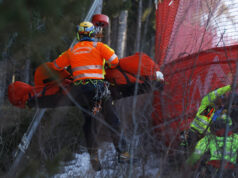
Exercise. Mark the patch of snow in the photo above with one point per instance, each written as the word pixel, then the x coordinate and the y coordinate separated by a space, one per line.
pixel 81 165
pixel 107 155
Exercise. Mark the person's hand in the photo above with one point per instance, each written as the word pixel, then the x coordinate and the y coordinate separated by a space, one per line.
pixel 184 139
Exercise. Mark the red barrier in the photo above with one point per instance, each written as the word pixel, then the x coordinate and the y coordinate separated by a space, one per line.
pixel 187 80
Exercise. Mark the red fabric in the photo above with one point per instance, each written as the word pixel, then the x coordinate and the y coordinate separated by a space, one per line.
pixel 165 17
pixel 180 30
pixel 46 71
pixel 221 133
pixel 18 93
pixel 116 76
pixel 131 65
pixel 47 78
pixel 217 164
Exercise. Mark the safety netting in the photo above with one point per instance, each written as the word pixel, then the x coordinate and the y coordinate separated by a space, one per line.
pixel 185 27
pixel 196 49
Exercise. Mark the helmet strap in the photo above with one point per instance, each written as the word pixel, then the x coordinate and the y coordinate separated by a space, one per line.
pixel 86 38
pixel 77 35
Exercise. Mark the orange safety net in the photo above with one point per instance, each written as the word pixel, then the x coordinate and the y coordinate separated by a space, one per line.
pixel 165 17
pixel 190 78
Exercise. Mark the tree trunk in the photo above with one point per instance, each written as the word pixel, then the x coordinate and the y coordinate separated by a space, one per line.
pixel 138 29
pixel 121 36
pixel 27 71
pixel 107 34
pixel 152 49
pixel 114 29
pixel 3 68
pixel 3 74
pixel 145 29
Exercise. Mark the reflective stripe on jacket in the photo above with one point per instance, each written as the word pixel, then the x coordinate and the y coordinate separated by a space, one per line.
pixel 214 144
pixel 201 121
pixel 86 59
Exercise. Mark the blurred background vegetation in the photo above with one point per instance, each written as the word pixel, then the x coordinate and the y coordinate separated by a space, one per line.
pixel 37 31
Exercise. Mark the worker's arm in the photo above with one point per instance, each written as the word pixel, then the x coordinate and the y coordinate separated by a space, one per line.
pixel 211 97
pixel 200 148
pixel 62 61
pixel 109 55
pixel 201 122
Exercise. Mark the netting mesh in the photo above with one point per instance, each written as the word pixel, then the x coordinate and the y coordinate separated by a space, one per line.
pixel 193 49
pixel 187 27
pixel 225 22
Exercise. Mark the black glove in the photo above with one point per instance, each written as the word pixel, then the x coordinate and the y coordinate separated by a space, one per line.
pixel 189 138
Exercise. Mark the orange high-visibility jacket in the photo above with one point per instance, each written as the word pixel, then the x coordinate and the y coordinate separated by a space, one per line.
pixel 86 59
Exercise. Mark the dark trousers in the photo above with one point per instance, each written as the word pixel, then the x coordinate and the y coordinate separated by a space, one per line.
pixel 90 95
pixel 114 126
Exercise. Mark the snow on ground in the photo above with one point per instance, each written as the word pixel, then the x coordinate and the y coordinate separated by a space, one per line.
pixel 81 166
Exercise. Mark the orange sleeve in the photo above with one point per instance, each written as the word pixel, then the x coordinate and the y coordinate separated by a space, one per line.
pixel 109 55
pixel 62 61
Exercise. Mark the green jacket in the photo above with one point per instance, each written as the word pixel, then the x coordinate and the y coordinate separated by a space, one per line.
pixel 202 120
pixel 214 144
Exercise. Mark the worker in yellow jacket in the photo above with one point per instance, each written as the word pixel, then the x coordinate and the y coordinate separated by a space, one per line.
pixel 220 146
pixel 210 108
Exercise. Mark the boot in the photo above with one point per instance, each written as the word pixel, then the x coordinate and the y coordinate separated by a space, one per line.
pixel 96 165
pixel 124 157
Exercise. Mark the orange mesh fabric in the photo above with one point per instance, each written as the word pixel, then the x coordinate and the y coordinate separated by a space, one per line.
pixel 165 17
pixel 190 78
pixel 139 63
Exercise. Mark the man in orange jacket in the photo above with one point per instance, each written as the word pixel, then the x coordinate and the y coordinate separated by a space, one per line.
pixel 87 59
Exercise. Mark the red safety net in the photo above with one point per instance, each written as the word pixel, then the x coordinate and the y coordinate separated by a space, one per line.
pixel 191 48
pixel 186 27
pixel 189 79
pixel 165 18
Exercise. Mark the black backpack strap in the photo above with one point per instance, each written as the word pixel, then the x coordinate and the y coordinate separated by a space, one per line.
pixel 124 74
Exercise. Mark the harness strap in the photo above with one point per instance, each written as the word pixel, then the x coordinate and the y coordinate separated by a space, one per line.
pixel 210 113
pixel 123 73
pixel 217 114
pixel 87 81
